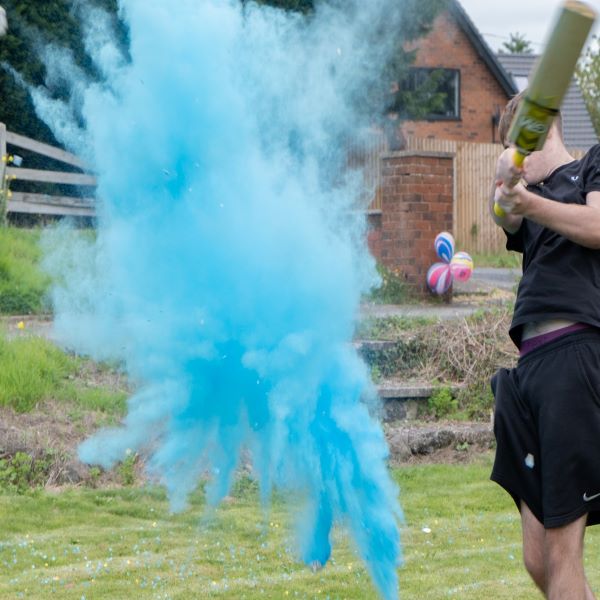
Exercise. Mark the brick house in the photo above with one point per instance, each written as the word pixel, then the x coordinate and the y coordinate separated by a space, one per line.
pixel 417 187
pixel 476 84
pixel 422 192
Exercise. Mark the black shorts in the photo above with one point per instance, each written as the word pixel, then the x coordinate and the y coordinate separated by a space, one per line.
pixel 547 428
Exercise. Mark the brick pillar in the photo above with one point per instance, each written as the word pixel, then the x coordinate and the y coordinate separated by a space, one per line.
pixel 417 203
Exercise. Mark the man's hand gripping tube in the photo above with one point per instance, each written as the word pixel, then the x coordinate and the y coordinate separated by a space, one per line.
pixel 518 160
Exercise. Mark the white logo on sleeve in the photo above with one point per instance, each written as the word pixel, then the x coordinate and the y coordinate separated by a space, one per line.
pixel 574 177
pixel 587 498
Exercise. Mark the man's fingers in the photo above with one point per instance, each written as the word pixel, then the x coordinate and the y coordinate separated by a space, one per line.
pixel 503 200
pixel 506 169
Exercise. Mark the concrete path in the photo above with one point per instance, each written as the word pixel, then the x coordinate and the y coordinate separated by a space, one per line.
pixel 486 277
pixel 24 325
pixel 483 281
pixel 435 311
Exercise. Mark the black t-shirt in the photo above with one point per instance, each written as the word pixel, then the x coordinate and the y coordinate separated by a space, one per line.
pixel 561 279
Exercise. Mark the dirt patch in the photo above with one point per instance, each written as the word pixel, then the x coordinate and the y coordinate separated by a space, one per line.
pixel 52 431
pixel 93 374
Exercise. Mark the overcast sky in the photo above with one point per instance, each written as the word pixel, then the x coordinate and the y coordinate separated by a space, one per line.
pixel 532 18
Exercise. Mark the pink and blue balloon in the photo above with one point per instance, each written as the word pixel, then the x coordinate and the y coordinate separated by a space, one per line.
pixel 444 246
pixel 439 278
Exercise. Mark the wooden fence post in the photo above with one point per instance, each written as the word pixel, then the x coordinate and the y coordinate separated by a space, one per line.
pixel 3 181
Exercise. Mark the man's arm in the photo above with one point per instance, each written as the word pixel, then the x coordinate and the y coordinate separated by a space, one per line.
pixel 578 223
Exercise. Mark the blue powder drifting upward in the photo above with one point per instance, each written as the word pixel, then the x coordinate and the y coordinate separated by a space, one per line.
pixel 230 257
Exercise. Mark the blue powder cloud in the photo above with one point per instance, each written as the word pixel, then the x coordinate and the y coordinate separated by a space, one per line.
pixel 230 257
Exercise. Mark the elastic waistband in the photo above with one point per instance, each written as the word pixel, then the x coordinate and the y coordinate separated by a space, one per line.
pixel 541 340
pixel 589 334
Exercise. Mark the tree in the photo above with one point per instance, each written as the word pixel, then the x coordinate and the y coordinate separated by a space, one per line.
pixel 387 92
pixel 588 76
pixel 517 44
pixel 55 21
pixel 29 21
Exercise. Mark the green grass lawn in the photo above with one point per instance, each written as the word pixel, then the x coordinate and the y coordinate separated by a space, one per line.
pixel 502 259
pixel 34 370
pixel 23 283
pixel 23 286
pixel 461 540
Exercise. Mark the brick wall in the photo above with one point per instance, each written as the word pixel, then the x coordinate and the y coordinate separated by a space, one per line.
pixel 417 203
pixel 481 95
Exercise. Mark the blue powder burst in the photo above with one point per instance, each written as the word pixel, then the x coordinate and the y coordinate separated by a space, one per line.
pixel 230 257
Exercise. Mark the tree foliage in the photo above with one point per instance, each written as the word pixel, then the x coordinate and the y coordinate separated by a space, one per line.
pixel 517 44
pixel 588 76
pixel 32 24
pixel 36 23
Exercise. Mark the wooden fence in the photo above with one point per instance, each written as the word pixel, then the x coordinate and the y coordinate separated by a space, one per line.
pixel 36 203
pixel 474 166
pixel 365 154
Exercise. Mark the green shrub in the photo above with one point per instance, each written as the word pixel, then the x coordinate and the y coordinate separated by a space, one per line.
pixel 477 400
pixel 393 288
pixel 22 472
pixel 94 476
pixel 390 328
pixel 442 402
pixel 404 355
pixel 126 469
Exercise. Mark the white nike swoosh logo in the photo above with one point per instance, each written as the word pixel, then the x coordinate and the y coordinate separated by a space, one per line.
pixel 587 498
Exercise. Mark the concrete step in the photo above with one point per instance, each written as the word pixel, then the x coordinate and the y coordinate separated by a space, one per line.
pixel 401 400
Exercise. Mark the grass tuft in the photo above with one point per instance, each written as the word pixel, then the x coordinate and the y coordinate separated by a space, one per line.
pixel 33 370
pixel 23 286
pixel 503 259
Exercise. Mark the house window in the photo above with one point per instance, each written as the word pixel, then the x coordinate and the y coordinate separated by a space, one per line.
pixel 429 94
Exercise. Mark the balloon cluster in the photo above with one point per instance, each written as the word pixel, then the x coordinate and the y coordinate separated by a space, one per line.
pixel 457 266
